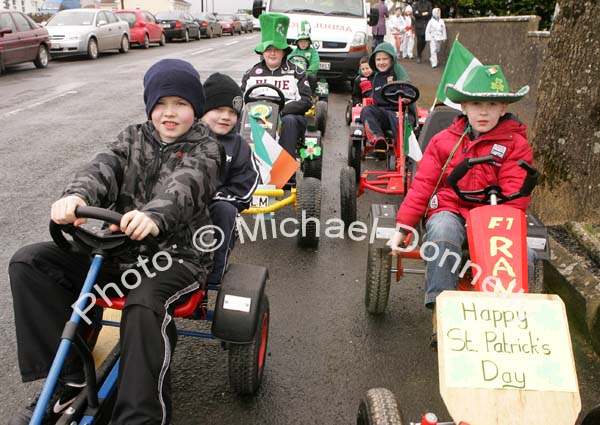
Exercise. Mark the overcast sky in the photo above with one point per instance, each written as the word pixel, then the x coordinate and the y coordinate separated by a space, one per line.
pixel 220 5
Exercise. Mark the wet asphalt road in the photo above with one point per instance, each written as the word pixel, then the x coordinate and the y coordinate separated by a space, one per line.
pixel 324 351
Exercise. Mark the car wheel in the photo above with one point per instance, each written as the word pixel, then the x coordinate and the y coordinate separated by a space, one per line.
pixel 187 36
pixel 146 44
pixel 198 35
pixel 124 44
pixel 92 49
pixel 163 39
pixel 42 58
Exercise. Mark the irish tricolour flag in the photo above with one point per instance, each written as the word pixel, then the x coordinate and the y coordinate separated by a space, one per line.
pixel 411 145
pixel 276 165
pixel 460 63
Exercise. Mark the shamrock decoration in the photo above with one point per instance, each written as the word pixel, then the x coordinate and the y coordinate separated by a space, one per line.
pixel 311 150
pixel 497 85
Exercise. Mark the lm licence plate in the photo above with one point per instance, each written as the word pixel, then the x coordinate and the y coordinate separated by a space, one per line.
pixel 325 66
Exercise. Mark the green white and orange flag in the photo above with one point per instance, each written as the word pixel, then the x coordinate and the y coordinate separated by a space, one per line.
pixel 411 145
pixel 459 64
pixel 275 164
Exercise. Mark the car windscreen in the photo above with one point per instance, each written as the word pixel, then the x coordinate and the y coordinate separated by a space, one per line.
pixel 225 18
pixel 128 17
pixel 72 17
pixel 168 15
pixel 319 7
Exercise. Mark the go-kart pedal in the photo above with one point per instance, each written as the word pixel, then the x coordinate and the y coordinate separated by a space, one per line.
pixel 64 395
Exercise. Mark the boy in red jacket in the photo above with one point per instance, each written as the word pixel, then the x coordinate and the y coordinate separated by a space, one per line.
pixel 484 129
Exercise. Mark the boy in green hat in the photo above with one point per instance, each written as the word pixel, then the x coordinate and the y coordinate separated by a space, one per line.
pixel 382 115
pixel 304 48
pixel 276 69
pixel 484 129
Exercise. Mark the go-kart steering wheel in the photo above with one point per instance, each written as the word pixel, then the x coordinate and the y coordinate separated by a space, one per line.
pixel 90 241
pixel 300 61
pixel 392 92
pixel 279 99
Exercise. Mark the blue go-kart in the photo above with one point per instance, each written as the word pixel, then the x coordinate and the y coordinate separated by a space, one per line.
pixel 240 320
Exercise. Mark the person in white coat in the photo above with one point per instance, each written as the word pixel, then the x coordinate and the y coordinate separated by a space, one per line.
pixel 435 35
pixel 396 23
pixel 408 38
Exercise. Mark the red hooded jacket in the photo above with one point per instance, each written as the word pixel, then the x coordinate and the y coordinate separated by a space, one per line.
pixel 507 142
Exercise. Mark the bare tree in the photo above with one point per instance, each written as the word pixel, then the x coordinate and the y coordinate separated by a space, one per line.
pixel 566 133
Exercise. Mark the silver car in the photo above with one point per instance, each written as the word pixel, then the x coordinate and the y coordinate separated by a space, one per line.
pixel 87 32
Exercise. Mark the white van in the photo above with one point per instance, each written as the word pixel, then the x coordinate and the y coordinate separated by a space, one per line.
pixel 339 30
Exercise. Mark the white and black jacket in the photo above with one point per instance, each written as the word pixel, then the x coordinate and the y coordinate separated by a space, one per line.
pixel 290 79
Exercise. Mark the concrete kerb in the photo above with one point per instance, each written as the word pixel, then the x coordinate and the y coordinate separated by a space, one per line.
pixel 578 288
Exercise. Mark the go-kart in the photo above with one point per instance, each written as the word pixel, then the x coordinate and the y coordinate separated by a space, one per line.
pixel 316 116
pixel 483 225
pixel 396 180
pixel 264 109
pixel 242 330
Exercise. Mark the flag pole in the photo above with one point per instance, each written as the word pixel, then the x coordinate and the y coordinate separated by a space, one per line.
pixel 435 98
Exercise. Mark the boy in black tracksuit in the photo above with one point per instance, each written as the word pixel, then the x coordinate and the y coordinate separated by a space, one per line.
pixel 240 175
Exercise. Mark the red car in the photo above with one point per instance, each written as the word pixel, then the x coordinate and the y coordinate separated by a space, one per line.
pixel 22 40
pixel 230 23
pixel 143 26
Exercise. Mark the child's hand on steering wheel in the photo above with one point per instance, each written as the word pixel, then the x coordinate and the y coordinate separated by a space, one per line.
pixel 63 210
pixel 137 225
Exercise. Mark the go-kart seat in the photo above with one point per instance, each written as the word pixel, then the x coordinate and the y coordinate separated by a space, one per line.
pixel 437 120
pixel 183 310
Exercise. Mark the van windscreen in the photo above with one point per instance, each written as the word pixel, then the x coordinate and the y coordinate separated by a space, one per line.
pixel 320 7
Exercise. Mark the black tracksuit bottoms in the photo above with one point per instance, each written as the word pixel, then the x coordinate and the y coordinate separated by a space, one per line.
pixel 45 282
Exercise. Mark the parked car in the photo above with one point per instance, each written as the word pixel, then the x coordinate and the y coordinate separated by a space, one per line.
pixel 87 32
pixel 230 23
pixel 22 40
pixel 178 24
pixel 209 26
pixel 246 21
pixel 143 27
pixel 255 24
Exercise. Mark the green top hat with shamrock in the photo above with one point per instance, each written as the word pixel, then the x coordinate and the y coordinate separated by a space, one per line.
pixel 273 28
pixel 485 84
pixel 304 33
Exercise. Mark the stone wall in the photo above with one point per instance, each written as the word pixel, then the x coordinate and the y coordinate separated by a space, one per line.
pixel 512 42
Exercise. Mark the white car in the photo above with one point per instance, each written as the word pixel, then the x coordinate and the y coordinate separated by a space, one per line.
pixel 87 32
pixel 255 24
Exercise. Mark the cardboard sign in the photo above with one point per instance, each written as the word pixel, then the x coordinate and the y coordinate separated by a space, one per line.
pixel 508 342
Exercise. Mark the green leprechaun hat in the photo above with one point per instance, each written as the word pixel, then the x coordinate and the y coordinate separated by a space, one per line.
pixel 273 28
pixel 304 33
pixel 485 83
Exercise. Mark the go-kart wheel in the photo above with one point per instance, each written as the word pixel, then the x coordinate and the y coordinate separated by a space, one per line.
pixel 379 271
pixel 348 195
pixel 321 116
pixel 349 112
pixel 313 167
pixel 354 155
pixel 379 407
pixel 391 161
pixel 309 205
pixel 537 283
pixel 247 361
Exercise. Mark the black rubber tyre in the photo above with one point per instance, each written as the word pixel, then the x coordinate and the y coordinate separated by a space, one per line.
pixel 146 43
pixel 313 167
pixel 391 161
pixel 124 44
pixel 92 49
pixel 163 40
pixel 592 417
pixel 354 154
pixel 309 203
pixel 247 361
pixel 348 195
pixel 321 116
pixel 537 283
pixel 348 112
pixel 379 273
pixel 379 407
pixel 186 38
pixel 42 58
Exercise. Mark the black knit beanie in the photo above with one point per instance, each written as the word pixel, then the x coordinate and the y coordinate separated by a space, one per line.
pixel 222 90
pixel 173 77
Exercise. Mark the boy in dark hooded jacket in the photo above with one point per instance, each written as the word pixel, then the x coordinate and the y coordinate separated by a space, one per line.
pixel 240 174
pixel 161 175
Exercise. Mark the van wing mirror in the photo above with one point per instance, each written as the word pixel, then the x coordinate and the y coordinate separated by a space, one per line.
pixel 257 8
pixel 373 16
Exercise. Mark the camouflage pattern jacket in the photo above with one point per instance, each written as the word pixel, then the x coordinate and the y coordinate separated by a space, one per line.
pixel 173 183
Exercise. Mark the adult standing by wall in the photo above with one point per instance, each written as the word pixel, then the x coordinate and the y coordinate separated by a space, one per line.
pixel 422 12
pixel 379 28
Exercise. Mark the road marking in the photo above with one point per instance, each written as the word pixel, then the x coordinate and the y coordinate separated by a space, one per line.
pixel 33 105
pixel 249 38
pixel 232 42
pixel 198 52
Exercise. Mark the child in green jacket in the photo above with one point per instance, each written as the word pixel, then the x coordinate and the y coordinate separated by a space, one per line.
pixel 304 48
